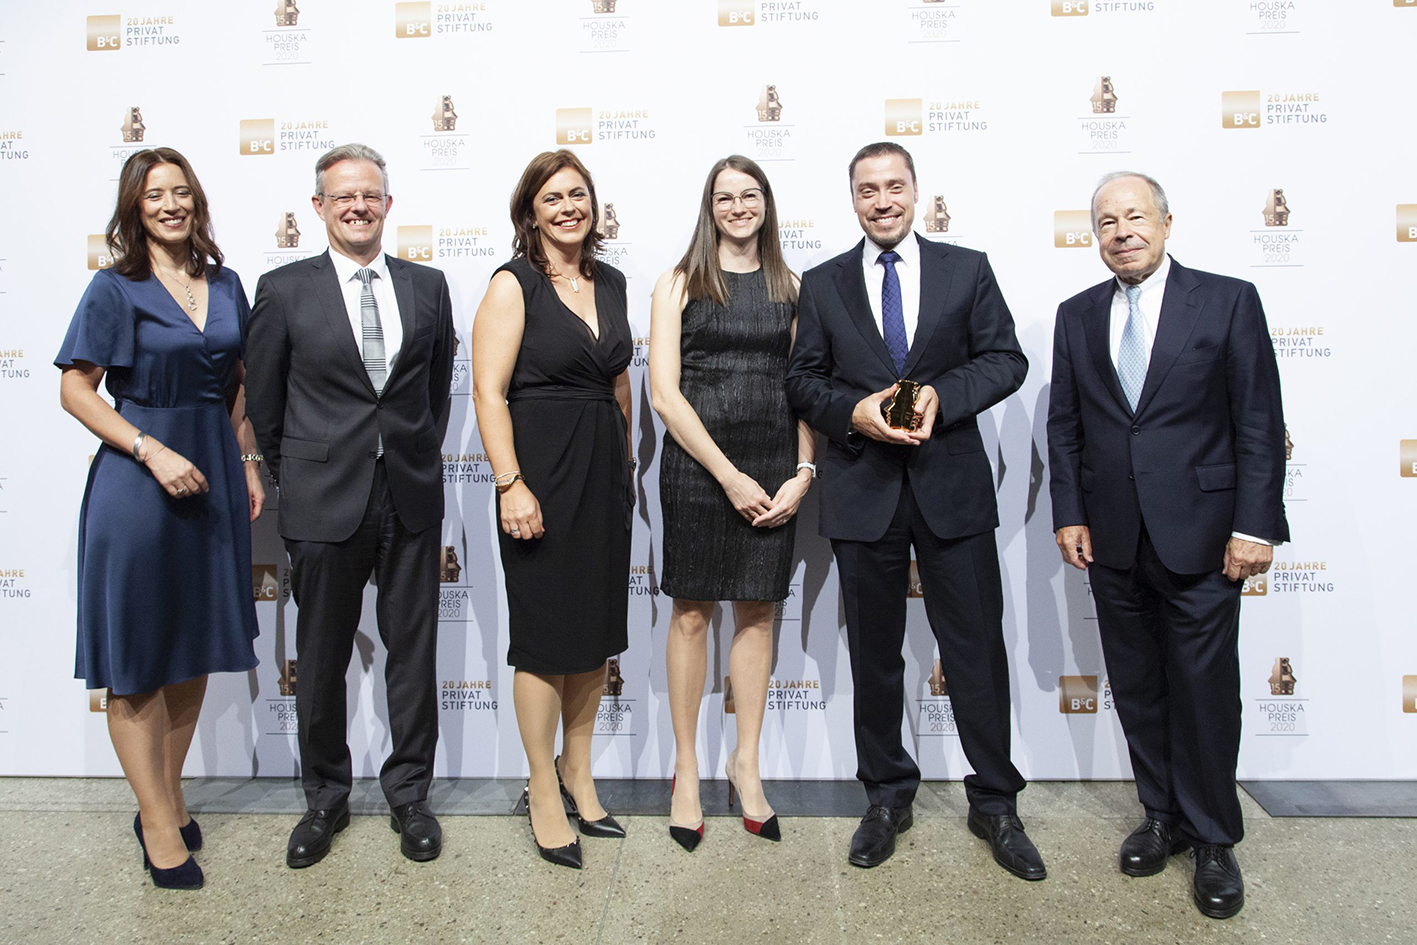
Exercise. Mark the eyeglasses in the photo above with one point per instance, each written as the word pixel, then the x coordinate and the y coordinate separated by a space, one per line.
pixel 751 198
pixel 344 201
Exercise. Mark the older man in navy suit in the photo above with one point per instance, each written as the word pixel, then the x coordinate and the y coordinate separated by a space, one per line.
pixel 1166 448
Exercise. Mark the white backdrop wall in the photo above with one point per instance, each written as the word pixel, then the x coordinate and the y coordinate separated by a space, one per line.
pixel 1011 121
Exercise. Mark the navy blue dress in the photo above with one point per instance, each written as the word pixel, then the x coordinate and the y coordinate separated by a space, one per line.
pixel 164 583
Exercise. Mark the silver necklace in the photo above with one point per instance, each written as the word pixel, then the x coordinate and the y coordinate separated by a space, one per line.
pixel 575 282
pixel 186 287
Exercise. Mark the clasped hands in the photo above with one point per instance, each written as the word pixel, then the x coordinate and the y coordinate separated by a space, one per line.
pixel 753 503
pixel 1243 559
pixel 866 419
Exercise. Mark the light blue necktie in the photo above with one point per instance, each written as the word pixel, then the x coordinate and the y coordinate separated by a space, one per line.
pixel 372 340
pixel 1131 357
pixel 892 314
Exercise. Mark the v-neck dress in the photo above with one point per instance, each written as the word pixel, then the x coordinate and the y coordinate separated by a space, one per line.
pixel 568 591
pixel 164 590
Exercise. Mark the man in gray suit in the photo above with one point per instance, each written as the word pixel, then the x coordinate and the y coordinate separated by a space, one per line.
pixel 349 363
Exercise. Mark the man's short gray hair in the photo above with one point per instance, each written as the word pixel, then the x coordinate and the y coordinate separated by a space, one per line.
pixel 348 152
pixel 1158 195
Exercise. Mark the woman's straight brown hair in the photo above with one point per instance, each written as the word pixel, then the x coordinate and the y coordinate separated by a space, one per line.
pixel 526 239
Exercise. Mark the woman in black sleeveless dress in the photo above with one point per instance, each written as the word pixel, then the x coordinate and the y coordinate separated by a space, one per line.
pixel 722 323
pixel 550 348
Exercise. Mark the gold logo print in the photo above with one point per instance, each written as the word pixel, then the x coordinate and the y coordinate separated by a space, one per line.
pixel 608 226
pixel 258 136
pixel 614 682
pixel 449 570
pixel 1104 96
pixel 287 678
pixel 1409 693
pixel 737 12
pixel 1072 229
pixel 413 20
pixel 264 585
pixel 133 126
pixel 105 33
pixel 573 126
pixel 1282 678
pixel 914 588
pixel 1288 444
pixel 729 706
pixel 903 117
pixel 444 118
pixel 287 233
pixel 1070 7
pixel 769 104
pixel 937 218
pixel 1407 4
pixel 1407 219
pixel 602 6
pixel 100 256
pixel 1407 450
pixel 1256 585
pixel 98 700
pixel 416 243
pixel 1077 695
pixel 287 13
pixel 1276 209
pixel 1240 109
pixel 939 686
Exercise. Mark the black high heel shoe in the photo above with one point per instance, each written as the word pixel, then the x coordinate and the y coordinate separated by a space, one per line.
pixel 767 829
pixel 187 875
pixel 569 855
pixel 191 834
pixel 686 837
pixel 606 826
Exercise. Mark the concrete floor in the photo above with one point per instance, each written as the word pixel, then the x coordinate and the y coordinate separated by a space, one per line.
pixel 75 876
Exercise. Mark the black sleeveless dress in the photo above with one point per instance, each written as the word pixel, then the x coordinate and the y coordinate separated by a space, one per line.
pixel 732 363
pixel 567 592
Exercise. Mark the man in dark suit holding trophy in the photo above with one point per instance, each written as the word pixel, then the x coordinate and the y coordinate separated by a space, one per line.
pixel 899 475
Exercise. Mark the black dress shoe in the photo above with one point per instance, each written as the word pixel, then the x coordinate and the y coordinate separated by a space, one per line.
pixel 311 838
pixel 1146 851
pixel 1012 848
pixel 874 840
pixel 1217 888
pixel 420 837
pixel 568 855
pixel 606 826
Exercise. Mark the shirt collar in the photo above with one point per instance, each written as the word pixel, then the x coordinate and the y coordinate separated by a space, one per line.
pixel 345 268
pixel 1155 282
pixel 908 248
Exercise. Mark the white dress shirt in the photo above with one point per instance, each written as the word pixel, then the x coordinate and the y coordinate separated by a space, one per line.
pixel 347 270
pixel 907 269
pixel 1153 289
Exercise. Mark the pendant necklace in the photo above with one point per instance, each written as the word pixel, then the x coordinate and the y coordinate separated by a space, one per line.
pixel 573 280
pixel 187 287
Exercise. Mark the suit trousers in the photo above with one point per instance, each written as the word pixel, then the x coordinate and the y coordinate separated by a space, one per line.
pixel 328 579
pixel 1171 642
pixel 964 603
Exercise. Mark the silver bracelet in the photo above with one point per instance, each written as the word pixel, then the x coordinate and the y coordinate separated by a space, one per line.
pixel 251 457
pixel 811 466
pixel 138 444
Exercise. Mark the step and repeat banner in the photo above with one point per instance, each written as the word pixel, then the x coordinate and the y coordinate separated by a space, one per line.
pixel 1281 129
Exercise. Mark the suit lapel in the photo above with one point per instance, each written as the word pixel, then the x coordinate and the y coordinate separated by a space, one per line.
pixel 936 275
pixel 1097 330
pixel 402 276
pixel 331 297
pixel 1179 312
pixel 851 285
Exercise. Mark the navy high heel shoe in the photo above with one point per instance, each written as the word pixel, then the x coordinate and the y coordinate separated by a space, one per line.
pixel 191 834
pixel 187 875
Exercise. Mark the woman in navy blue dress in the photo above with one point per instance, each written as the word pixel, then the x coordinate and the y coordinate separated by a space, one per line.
pixel 164 560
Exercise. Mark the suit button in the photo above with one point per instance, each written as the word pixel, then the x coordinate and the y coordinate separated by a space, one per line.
pixel 1136 431
pixel 373 454
pixel 1131 477
pixel 380 406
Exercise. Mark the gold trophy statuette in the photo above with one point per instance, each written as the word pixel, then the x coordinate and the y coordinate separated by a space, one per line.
pixel 899 411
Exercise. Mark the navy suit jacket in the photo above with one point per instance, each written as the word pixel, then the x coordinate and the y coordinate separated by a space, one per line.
pixel 1203 455
pixel 314 410
pixel 964 346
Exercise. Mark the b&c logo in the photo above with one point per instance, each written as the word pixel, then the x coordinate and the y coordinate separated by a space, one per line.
pixel 1240 110
pixel 258 136
pixel 1070 7
pixel 939 686
pixel 1104 96
pixel 100 256
pixel 608 226
pixel 573 126
pixel 416 243
pixel 1282 678
pixel 1407 219
pixel 1407 450
pixel 614 682
pixel 769 104
pixel 444 118
pixel 1072 229
pixel 937 218
pixel 105 33
pixel 287 233
pixel 287 13
pixel 737 12
pixel 914 588
pixel 287 678
pixel 1276 209
pixel 413 20
pixel 1077 695
pixel 98 699
pixel 133 126
pixel 449 570
pixel 1409 693
pixel 264 585
pixel 1256 585
pixel 903 117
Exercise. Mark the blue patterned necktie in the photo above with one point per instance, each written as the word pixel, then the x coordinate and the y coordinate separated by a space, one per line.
pixel 892 314
pixel 1131 356
pixel 372 336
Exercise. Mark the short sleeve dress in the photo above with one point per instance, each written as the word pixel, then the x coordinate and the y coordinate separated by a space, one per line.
pixel 164 590
pixel 568 591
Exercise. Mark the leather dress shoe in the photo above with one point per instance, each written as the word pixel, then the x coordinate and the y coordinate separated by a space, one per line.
pixel 420 837
pixel 874 840
pixel 311 838
pixel 1012 848
pixel 1146 851
pixel 1217 888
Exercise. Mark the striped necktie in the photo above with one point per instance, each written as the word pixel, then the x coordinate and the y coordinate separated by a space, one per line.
pixel 372 336
pixel 1132 355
